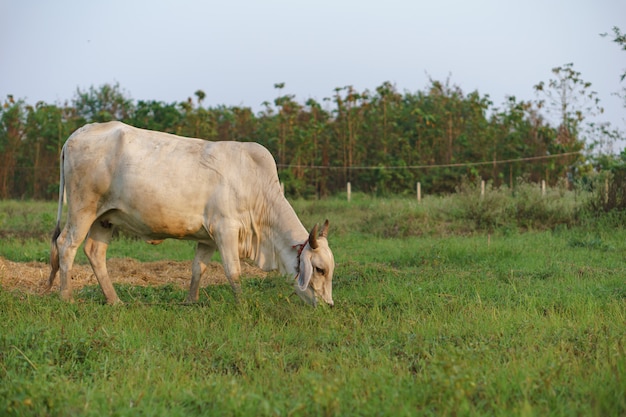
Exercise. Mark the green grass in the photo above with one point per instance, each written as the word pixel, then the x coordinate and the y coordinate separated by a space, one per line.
pixel 492 322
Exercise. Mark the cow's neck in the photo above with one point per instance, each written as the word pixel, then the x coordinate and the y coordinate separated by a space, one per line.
pixel 288 235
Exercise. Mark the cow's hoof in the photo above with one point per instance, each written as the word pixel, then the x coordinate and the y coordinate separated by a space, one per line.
pixel 66 296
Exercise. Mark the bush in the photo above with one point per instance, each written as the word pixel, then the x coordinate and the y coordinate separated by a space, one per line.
pixel 524 207
pixel 608 192
pixel 534 210
pixel 485 212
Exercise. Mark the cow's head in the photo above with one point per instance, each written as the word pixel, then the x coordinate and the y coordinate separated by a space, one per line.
pixel 315 269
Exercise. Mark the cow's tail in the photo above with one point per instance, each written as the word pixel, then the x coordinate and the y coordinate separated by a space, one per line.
pixel 54 247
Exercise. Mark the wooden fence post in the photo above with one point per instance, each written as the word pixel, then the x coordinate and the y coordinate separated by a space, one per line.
pixel 543 188
pixel 349 190
pixel 419 192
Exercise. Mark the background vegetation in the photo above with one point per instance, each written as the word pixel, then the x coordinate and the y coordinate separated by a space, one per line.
pixel 382 141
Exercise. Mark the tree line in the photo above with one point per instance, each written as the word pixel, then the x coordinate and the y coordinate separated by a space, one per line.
pixel 382 141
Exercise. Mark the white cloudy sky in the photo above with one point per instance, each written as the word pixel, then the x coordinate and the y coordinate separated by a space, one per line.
pixel 236 50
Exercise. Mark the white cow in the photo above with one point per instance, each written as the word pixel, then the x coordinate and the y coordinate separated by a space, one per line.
pixel 224 195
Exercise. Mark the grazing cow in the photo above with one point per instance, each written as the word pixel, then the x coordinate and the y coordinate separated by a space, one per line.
pixel 226 196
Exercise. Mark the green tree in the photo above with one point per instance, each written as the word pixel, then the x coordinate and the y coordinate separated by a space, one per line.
pixel 620 39
pixel 348 127
pixel 156 115
pixel 200 95
pixel 197 121
pixel 235 123
pixel 288 110
pixel 12 133
pixel 45 135
pixel 572 101
pixel 103 104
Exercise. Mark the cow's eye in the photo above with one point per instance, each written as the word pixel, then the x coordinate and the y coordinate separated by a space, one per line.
pixel 319 270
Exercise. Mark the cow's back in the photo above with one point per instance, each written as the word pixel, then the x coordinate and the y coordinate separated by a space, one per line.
pixel 105 155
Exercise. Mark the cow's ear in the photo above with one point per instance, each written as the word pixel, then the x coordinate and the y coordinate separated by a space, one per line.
pixel 306 272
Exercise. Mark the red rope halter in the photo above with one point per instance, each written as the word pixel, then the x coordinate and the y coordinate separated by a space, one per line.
pixel 300 247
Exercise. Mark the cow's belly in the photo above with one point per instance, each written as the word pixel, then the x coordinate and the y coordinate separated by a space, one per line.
pixel 158 225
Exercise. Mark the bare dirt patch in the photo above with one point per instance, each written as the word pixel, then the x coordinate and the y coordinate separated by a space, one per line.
pixel 32 277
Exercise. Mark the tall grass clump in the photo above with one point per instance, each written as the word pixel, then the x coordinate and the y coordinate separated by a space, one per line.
pixel 368 215
pixel 608 192
pixel 558 206
pixel 524 207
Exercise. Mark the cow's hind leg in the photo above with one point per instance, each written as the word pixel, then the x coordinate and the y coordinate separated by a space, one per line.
pixel 67 244
pixel 203 257
pixel 96 250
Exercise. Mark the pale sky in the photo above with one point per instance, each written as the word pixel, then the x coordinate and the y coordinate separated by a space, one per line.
pixel 236 50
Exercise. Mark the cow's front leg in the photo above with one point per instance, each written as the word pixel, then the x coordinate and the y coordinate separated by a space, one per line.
pixel 232 268
pixel 228 246
pixel 233 279
pixel 200 261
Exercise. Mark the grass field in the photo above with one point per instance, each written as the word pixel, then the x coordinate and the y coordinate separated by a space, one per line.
pixel 444 308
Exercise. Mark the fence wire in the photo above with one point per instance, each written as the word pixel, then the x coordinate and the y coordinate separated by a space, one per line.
pixel 460 164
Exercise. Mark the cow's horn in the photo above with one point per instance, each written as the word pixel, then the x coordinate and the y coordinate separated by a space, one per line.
pixel 313 238
pixel 324 232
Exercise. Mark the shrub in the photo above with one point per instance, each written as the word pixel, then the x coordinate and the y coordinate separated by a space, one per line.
pixel 608 191
pixel 525 206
